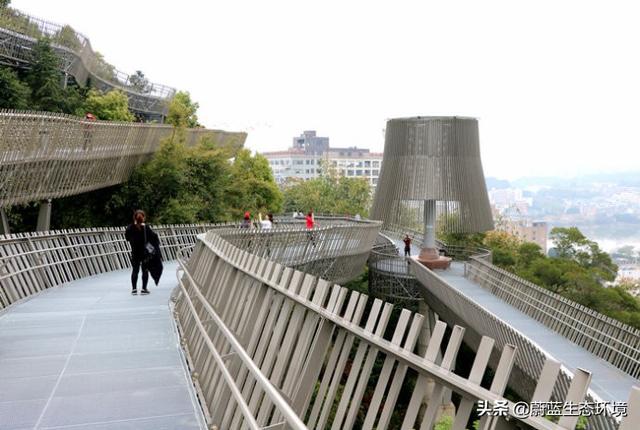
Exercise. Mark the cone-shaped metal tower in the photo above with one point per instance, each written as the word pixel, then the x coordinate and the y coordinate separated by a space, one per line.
pixel 432 171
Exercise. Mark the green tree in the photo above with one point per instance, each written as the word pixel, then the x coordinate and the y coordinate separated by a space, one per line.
pixel 527 253
pixel 4 3
pixel 182 111
pixel 328 194
pixel 112 106
pixel 139 82
pixel 185 185
pixel 45 79
pixel 14 94
pixel 253 187
pixel 571 244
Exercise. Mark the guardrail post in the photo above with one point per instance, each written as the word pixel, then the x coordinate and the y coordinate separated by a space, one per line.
pixel 630 422
pixel 44 216
pixel 577 391
pixel 4 222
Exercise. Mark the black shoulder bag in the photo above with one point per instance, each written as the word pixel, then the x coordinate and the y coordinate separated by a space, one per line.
pixel 149 249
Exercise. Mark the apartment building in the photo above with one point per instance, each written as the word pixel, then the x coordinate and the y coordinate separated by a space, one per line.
pixel 311 154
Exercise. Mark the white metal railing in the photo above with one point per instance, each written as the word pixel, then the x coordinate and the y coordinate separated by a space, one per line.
pixel 532 358
pixel 32 262
pixel 603 336
pixel 46 155
pixel 248 318
pixel 300 331
pixel 283 407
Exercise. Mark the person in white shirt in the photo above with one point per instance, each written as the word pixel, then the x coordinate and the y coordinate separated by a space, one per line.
pixel 267 223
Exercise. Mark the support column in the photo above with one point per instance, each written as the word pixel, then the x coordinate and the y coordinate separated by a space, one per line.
pixel 429 254
pixel 4 222
pixel 429 224
pixel 44 216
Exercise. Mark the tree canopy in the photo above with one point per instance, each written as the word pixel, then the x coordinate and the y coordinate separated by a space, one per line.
pixel 571 244
pixel 139 82
pixel 44 79
pixel 111 106
pixel 182 111
pixel 14 94
pixel 328 194
pixel 253 188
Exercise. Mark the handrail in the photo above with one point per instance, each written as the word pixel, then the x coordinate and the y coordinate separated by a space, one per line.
pixel 249 266
pixel 531 361
pixel 297 298
pixel 611 340
pixel 46 155
pixel 283 407
pixel 59 256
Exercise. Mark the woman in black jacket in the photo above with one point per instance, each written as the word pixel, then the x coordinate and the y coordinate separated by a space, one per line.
pixel 139 235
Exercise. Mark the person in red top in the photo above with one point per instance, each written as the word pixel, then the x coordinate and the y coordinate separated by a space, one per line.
pixel 407 245
pixel 310 221
pixel 246 222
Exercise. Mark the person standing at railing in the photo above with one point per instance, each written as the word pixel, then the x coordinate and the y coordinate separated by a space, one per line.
pixel 265 224
pixel 246 222
pixel 145 247
pixel 407 245
pixel 310 223
pixel 88 130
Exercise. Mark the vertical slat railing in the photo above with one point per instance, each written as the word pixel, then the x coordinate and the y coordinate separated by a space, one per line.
pixel 326 335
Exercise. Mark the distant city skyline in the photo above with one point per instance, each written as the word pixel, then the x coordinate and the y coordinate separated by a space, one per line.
pixel 553 84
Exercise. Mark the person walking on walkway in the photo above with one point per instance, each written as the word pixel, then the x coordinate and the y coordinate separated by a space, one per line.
pixel 145 246
pixel 407 245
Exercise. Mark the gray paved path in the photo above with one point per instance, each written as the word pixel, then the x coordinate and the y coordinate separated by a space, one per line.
pixel 89 355
pixel 608 382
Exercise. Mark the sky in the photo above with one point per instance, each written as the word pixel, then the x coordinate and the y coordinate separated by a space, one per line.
pixel 555 85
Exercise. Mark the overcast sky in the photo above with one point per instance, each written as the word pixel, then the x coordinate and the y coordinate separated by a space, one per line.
pixel 554 84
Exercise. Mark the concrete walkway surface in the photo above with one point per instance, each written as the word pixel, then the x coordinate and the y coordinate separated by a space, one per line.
pixel 89 355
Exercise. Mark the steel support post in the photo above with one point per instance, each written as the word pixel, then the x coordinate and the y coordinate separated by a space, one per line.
pixel 44 216
pixel 4 222
pixel 429 224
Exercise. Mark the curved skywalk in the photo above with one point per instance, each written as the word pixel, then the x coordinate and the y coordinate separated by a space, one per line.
pixel 89 355
pixel 607 381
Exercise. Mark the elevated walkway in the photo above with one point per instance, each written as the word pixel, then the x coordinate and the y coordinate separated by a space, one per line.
pixel 45 155
pixel 607 381
pixel 19 34
pixel 91 355
pixel 267 345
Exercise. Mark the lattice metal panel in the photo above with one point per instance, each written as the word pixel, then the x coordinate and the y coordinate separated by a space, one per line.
pixel 336 251
pixel 19 33
pixel 432 158
pixel 44 155
pixel 33 262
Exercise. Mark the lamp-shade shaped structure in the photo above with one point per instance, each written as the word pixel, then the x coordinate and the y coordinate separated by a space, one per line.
pixel 432 172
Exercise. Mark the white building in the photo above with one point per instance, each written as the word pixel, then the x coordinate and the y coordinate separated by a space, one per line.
pixel 310 154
